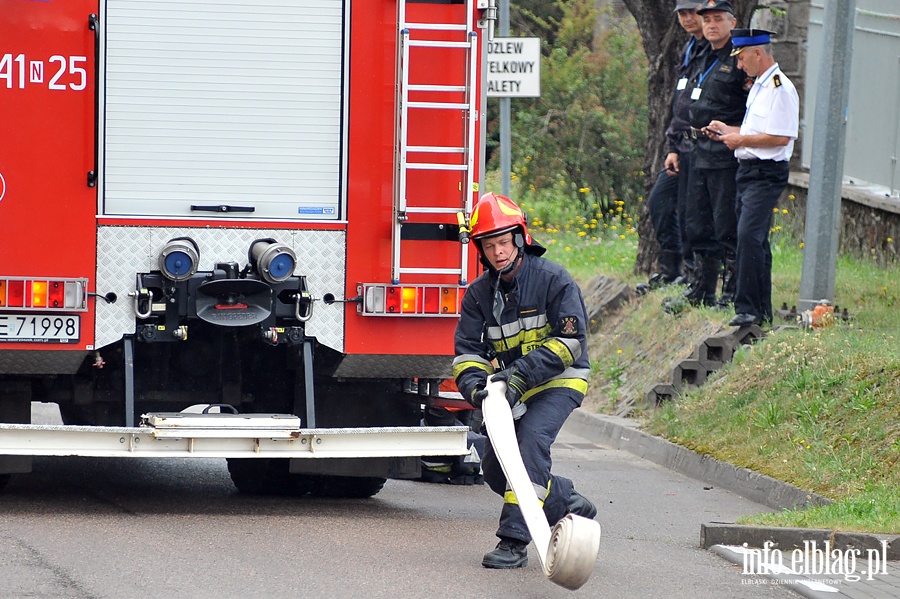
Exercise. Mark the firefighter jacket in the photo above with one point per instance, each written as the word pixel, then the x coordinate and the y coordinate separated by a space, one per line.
pixel 541 329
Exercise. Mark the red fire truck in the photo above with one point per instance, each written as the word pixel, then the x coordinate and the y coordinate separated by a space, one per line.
pixel 233 229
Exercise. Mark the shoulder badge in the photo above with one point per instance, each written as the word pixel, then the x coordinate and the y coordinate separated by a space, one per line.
pixel 725 68
pixel 776 80
pixel 568 326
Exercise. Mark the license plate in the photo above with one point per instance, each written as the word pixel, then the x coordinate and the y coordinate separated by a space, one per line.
pixel 40 328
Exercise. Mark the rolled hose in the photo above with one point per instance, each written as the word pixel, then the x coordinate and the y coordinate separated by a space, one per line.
pixel 569 551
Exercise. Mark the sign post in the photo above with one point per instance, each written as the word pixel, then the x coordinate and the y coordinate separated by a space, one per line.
pixel 513 71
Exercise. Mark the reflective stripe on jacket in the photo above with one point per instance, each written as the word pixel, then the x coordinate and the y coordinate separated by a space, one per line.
pixel 542 329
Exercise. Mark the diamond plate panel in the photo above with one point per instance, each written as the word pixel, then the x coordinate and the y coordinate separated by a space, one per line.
pixel 124 251
pixel 40 362
pixel 394 366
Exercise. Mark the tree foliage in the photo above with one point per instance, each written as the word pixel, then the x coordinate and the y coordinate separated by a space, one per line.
pixel 581 142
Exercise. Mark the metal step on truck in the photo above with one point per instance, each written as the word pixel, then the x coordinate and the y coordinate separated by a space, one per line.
pixel 232 229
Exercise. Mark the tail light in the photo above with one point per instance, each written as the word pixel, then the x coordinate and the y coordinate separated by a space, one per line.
pixel 410 300
pixel 43 294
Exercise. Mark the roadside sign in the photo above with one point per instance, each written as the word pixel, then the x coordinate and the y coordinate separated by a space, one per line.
pixel 514 67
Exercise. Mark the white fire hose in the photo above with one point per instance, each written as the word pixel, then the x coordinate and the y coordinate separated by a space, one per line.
pixel 569 551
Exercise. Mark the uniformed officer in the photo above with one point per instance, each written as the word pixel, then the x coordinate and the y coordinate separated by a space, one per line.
pixel 763 145
pixel 524 322
pixel 666 199
pixel 711 223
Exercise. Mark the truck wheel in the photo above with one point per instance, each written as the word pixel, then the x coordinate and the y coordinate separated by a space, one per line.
pixel 264 476
pixel 350 487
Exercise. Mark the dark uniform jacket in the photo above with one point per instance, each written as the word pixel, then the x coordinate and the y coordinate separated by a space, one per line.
pixel 542 330
pixel 692 57
pixel 724 97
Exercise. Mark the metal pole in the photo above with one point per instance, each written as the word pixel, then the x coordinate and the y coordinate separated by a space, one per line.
pixel 505 135
pixel 823 207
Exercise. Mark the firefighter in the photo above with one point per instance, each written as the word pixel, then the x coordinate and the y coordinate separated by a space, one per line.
pixel 524 322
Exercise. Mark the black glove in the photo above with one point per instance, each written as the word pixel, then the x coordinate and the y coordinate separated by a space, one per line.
pixel 478 395
pixel 515 384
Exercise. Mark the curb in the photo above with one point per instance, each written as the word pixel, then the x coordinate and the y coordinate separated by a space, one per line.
pixel 754 547
pixel 788 539
pixel 621 433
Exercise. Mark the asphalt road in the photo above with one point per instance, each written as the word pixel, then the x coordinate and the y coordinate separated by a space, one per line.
pixel 88 528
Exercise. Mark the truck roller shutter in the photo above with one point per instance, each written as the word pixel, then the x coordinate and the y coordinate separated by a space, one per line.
pixel 223 103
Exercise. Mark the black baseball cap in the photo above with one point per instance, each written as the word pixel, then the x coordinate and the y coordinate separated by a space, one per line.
pixel 687 4
pixel 710 5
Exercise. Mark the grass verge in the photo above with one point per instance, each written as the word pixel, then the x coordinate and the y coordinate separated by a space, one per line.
pixel 817 408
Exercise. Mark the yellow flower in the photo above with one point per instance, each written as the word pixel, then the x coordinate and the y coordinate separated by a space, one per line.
pixel 568 249
pixel 784 211
pixel 584 189
pixel 621 237
pixel 775 210
pixel 801 245
pixel 890 240
pixel 792 197
pixel 618 351
pixel 581 233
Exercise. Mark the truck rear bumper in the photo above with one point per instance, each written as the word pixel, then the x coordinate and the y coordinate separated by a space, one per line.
pixel 230 442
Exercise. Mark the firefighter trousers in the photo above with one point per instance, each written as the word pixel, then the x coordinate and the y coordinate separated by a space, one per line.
pixel 536 431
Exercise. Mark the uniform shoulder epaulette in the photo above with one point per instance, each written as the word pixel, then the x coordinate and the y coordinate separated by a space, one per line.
pixel 776 80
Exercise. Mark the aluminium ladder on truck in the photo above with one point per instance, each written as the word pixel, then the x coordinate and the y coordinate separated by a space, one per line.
pixel 422 90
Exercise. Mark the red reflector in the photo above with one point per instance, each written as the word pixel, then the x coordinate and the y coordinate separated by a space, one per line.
pixel 230 306
pixel 15 294
pixel 432 300
pixel 56 294
pixel 392 300
pixel 2 293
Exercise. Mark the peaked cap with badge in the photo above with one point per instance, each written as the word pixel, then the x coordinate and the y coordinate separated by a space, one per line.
pixel 744 38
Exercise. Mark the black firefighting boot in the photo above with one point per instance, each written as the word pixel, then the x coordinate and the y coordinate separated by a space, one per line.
pixel 703 291
pixel 510 553
pixel 581 506
pixel 729 283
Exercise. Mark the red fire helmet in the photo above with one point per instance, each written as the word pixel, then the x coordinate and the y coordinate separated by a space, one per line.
pixel 494 215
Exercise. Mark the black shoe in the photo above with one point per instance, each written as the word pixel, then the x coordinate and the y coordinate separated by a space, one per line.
pixel 581 506
pixel 744 320
pixel 510 553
